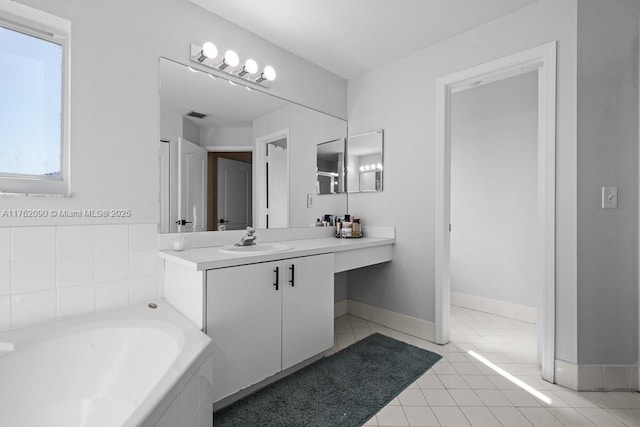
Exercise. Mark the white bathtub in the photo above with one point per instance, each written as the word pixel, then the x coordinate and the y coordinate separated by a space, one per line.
pixel 106 369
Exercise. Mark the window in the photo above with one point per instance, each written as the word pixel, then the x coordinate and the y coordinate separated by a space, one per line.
pixel 33 104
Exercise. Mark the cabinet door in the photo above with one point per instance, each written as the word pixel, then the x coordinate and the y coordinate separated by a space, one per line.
pixel 244 323
pixel 307 308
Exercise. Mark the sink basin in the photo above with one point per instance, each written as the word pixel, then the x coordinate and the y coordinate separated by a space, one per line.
pixel 257 249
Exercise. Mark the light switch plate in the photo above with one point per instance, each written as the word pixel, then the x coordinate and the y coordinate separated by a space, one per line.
pixel 309 200
pixel 609 197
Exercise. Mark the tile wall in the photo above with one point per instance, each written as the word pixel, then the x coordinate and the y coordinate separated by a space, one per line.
pixel 52 272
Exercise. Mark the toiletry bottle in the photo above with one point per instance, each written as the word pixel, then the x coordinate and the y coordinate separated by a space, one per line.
pixel 318 222
pixel 346 228
pixel 355 227
pixel 338 227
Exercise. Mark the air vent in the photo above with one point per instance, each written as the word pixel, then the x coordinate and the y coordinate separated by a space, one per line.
pixel 196 115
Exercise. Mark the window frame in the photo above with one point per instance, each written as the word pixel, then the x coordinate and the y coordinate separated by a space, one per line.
pixel 35 23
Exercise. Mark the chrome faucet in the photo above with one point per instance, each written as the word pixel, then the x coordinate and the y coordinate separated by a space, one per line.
pixel 249 239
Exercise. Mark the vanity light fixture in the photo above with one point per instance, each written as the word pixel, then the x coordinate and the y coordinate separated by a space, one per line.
pixel 207 55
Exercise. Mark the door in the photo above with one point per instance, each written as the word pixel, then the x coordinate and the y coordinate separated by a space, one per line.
pixel 307 308
pixel 234 194
pixel 277 185
pixel 192 187
pixel 244 323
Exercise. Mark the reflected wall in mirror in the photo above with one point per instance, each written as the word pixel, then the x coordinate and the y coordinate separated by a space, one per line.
pixel 232 157
pixel 365 161
pixel 330 167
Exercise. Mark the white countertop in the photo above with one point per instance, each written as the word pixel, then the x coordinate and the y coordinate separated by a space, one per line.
pixel 211 257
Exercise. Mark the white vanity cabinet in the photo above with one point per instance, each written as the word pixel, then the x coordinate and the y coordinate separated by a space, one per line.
pixel 266 317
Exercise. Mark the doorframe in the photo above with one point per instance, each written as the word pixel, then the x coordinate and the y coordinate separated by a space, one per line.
pixel 542 58
pixel 260 178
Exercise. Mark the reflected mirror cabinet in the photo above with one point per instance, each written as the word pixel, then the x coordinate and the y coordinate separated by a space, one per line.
pixel 354 165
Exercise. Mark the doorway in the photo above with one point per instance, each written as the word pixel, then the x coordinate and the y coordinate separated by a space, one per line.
pixel 272 180
pixel 542 59
pixel 494 293
pixel 230 192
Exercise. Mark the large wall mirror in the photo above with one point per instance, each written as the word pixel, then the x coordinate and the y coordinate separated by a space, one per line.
pixel 365 161
pixel 232 157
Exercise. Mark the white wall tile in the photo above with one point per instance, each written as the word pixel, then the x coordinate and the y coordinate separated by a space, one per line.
pixel 142 289
pixel 33 275
pixel 76 240
pixel 143 237
pixel 5 243
pixel 33 242
pixel 112 239
pixel 34 307
pixel 5 312
pixel 76 300
pixel 76 270
pixel 112 294
pixel 38 262
pixel 5 277
pixel 110 267
pixel 143 263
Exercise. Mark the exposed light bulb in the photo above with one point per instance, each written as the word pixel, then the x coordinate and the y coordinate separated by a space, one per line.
pixel 209 50
pixel 231 58
pixel 361 168
pixel 251 66
pixel 379 166
pixel 367 167
pixel 373 166
pixel 269 73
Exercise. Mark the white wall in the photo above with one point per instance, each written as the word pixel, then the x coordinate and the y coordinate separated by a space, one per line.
pixel 115 49
pixel 493 190
pixel 307 128
pixel 191 131
pixel 607 156
pixel 227 137
pixel 400 98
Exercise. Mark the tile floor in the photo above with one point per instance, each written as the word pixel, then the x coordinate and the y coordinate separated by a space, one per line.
pixel 461 391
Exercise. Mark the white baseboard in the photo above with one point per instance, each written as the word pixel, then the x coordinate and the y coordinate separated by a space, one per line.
pixel 499 308
pixel 340 308
pixel 596 377
pixel 392 320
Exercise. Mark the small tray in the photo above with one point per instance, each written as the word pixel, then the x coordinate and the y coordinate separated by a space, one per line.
pixel 349 237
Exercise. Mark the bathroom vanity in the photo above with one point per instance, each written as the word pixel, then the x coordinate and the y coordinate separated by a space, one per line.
pixel 268 308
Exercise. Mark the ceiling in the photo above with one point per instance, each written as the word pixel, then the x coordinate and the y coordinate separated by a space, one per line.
pixel 351 37
pixel 225 105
